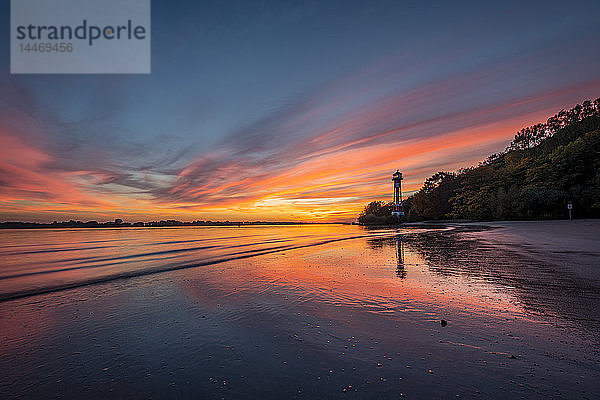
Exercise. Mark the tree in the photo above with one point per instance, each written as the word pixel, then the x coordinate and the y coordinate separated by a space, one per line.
pixel 377 213
pixel 545 166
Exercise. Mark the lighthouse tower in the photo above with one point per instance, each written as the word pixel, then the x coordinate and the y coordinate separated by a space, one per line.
pixel 397 179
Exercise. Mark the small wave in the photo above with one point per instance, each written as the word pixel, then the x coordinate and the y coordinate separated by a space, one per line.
pixel 173 267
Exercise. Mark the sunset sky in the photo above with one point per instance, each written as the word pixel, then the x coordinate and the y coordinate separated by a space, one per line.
pixel 295 110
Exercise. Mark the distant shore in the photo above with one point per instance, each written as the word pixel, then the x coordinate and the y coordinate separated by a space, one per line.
pixel 518 225
pixel 163 223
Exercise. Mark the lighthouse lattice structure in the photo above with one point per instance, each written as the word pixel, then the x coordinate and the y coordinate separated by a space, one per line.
pixel 397 204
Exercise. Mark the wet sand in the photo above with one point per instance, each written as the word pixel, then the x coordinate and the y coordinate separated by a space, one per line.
pixel 358 318
pixel 576 243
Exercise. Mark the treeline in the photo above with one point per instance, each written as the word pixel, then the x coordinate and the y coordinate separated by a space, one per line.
pixel 544 168
pixel 377 213
pixel 120 224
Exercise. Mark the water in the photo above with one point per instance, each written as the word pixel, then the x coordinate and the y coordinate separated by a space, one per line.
pixel 39 260
pixel 323 311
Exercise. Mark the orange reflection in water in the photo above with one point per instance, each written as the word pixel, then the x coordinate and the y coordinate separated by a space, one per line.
pixel 333 264
pixel 380 274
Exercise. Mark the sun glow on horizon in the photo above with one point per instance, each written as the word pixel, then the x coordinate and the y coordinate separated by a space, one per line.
pixel 326 186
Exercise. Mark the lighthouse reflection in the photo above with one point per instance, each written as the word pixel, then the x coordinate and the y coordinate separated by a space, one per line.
pixel 392 241
pixel 400 270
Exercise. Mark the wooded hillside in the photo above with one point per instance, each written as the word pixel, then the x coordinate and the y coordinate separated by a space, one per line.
pixel 546 166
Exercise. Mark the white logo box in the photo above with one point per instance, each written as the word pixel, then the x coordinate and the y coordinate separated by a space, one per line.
pixel 80 36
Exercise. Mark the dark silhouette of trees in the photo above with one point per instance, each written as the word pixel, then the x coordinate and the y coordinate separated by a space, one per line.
pixel 546 166
pixel 377 213
pixel 430 202
pixel 534 135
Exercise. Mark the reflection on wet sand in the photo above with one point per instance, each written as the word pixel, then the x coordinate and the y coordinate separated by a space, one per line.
pixel 400 270
pixel 392 241
pixel 546 286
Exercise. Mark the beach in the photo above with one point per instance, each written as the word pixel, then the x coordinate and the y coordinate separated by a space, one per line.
pixel 472 310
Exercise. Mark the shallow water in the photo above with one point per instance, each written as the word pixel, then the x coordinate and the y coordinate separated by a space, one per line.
pixel 323 311
pixel 44 260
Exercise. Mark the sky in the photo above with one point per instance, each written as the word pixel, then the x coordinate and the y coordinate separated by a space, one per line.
pixel 274 110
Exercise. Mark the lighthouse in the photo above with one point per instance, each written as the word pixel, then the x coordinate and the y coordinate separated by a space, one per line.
pixel 397 179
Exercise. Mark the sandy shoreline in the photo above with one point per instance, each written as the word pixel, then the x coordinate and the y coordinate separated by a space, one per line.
pixel 562 235
pixel 575 244
pixel 581 237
